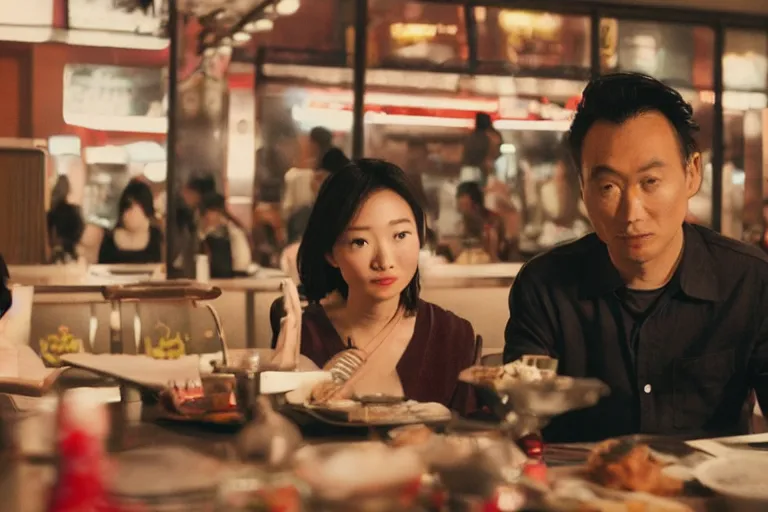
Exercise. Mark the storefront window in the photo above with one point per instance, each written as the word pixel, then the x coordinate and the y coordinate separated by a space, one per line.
pixel 287 158
pixel 745 77
pixel 531 194
pixel 404 34
pixel 515 40
pixel 681 55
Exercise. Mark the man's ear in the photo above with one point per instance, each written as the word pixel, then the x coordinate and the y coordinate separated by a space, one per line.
pixel 331 260
pixel 693 175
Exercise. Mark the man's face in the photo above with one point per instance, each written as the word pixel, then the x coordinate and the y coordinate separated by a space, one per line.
pixel 191 197
pixel 636 186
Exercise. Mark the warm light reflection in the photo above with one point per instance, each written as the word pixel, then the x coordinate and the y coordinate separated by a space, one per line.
pixel 341 120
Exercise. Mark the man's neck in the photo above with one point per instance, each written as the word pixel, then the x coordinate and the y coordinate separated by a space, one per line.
pixel 656 273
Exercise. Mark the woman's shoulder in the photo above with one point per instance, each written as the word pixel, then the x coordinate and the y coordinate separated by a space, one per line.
pixel 441 320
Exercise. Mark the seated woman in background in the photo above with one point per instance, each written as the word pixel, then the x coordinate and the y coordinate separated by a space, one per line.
pixel 358 263
pixel 135 239
pixel 65 228
pixel 223 239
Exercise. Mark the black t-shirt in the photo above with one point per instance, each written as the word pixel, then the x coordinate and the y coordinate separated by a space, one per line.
pixel 110 253
pixel 636 306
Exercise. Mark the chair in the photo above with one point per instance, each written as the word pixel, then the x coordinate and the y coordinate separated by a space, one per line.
pixel 478 357
pixel 276 314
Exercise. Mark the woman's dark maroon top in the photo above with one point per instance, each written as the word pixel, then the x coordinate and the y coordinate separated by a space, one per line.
pixel 442 345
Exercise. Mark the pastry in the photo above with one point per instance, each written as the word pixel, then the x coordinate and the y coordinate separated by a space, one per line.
pixel 626 465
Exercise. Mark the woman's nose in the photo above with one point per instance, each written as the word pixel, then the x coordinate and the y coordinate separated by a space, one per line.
pixel 383 259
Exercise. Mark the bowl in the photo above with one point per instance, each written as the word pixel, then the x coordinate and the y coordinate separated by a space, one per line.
pixel 741 477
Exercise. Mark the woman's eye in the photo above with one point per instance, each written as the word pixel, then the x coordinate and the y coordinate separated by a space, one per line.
pixel 357 242
pixel 402 235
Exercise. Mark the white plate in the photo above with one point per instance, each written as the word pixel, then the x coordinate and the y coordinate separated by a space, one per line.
pixel 738 475
pixel 158 373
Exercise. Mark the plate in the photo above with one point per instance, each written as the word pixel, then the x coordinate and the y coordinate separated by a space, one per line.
pixel 426 413
pixel 738 475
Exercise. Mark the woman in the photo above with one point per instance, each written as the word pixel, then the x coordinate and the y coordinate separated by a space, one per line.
pixel 135 239
pixel 224 239
pixel 358 263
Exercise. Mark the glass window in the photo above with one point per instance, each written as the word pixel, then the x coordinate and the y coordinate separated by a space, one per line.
pixel 510 39
pixel 416 34
pixel 530 199
pixel 745 69
pixel 681 55
pixel 287 161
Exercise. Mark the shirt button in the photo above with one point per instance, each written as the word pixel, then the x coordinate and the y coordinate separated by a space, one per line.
pixel 647 389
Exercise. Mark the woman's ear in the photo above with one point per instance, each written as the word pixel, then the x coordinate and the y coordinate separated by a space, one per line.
pixel 331 260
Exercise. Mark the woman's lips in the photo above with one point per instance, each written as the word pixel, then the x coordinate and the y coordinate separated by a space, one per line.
pixel 384 281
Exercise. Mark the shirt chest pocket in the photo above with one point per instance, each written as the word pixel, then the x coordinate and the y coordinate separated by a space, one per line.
pixel 699 386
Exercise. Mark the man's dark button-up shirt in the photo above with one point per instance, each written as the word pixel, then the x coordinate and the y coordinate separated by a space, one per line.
pixel 686 367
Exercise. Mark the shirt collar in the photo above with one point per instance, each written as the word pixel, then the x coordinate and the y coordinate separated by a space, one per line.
pixel 696 274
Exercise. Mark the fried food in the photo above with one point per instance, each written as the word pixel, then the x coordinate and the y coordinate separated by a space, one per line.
pixel 412 435
pixel 324 392
pixel 629 466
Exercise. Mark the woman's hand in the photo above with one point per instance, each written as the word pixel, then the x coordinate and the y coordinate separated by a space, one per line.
pixel 289 339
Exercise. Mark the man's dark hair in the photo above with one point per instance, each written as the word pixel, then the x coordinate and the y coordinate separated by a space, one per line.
pixel 618 97
pixel 483 122
pixel 322 137
pixel 472 190
pixel 339 199
pixel 477 145
pixel 213 201
pixel 203 185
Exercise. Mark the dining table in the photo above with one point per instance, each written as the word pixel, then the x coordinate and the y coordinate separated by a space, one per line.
pixel 25 480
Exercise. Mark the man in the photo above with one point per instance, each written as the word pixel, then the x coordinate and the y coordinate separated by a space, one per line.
pixel 670 315
pixel 185 235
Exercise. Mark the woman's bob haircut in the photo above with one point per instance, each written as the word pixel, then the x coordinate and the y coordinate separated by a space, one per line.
pixel 338 201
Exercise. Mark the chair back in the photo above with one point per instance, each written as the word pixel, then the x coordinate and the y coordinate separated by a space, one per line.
pixel 478 350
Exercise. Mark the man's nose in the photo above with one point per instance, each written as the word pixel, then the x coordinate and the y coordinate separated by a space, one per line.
pixel 633 205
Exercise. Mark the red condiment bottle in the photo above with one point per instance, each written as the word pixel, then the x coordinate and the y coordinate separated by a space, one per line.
pixel 82 425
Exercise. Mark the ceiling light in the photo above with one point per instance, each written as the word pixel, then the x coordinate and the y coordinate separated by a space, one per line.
pixel 241 38
pixel 260 25
pixel 287 7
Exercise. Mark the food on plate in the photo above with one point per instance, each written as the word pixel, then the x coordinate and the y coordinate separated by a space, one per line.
pixel 525 369
pixel 405 412
pixel 324 392
pixel 630 466
pixel 411 435
pixel 168 346
pixel 53 346
pixel 194 399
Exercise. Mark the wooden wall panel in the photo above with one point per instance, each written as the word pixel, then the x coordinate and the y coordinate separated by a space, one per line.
pixel 23 206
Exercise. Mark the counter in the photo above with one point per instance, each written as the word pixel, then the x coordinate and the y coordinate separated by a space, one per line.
pixel 478 293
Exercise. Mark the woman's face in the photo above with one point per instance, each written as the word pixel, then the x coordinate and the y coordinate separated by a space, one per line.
pixel 134 219
pixel 378 253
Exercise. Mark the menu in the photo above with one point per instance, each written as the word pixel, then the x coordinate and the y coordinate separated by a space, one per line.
pixel 117 15
pixel 113 91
